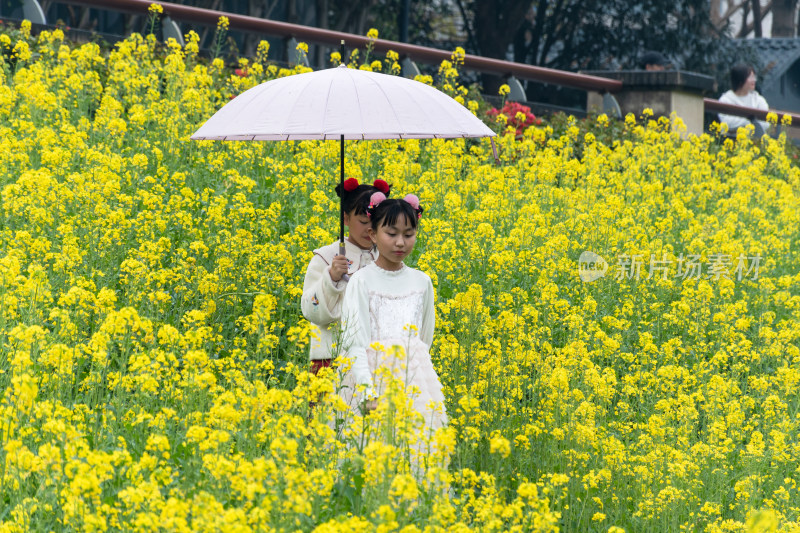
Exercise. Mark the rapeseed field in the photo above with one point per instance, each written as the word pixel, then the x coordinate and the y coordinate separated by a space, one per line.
pixel 618 317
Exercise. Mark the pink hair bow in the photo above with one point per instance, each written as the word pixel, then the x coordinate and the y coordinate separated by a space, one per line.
pixel 374 200
pixel 413 200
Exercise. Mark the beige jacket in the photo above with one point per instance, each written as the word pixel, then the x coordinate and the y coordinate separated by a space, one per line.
pixel 322 297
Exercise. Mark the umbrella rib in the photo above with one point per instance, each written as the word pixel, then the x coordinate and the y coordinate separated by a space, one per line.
pixel 289 116
pixel 397 119
pixel 325 124
pixel 452 119
pixel 358 102
pixel 246 110
pixel 246 100
pixel 285 130
pixel 402 87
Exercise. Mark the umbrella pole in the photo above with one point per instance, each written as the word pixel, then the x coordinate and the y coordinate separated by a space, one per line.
pixel 342 250
pixel 341 171
pixel 341 197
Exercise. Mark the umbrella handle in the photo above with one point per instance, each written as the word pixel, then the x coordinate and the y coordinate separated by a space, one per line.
pixel 345 277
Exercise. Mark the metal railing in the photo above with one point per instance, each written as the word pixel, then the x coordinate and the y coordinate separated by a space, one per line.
pixel 751 113
pixel 333 38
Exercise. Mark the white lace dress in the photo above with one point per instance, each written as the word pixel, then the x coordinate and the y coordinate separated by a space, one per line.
pixel 388 309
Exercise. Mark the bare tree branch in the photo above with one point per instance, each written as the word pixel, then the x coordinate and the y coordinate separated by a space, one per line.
pixel 748 27
pixel 720 20
pixel 471 41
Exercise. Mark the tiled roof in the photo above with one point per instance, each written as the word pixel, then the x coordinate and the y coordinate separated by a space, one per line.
pixel 776 56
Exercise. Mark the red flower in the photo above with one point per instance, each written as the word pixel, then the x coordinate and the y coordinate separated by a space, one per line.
pixel 242 72
pixel 510 110
pixel 350 184
pixel 381 186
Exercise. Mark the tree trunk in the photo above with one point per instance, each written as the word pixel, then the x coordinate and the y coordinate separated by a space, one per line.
pixel 783 18
pixel 495 25
pixel 757 17
pixel 322 14
pixel 323 21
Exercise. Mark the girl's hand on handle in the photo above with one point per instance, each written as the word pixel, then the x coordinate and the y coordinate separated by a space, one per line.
pixel 338 267
pixel 343 253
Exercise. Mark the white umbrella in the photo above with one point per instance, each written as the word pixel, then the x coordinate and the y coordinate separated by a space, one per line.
pixel 343 104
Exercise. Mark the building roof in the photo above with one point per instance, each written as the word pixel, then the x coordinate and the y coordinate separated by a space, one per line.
pixel 776 56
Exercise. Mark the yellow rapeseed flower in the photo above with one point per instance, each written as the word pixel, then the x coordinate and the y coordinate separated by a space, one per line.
pixel 156 366
pixel 500 445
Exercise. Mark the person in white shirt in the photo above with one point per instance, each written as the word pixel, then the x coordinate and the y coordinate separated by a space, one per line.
pixel 328 271
pixel 743 93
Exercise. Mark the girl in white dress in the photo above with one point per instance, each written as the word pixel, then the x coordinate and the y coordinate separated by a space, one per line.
pixel 388 319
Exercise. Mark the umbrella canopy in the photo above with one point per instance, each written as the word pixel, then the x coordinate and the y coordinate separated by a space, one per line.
pixel 341 103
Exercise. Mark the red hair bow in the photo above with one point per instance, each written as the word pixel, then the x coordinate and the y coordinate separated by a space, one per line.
pixel 350 184
pixel 381 186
